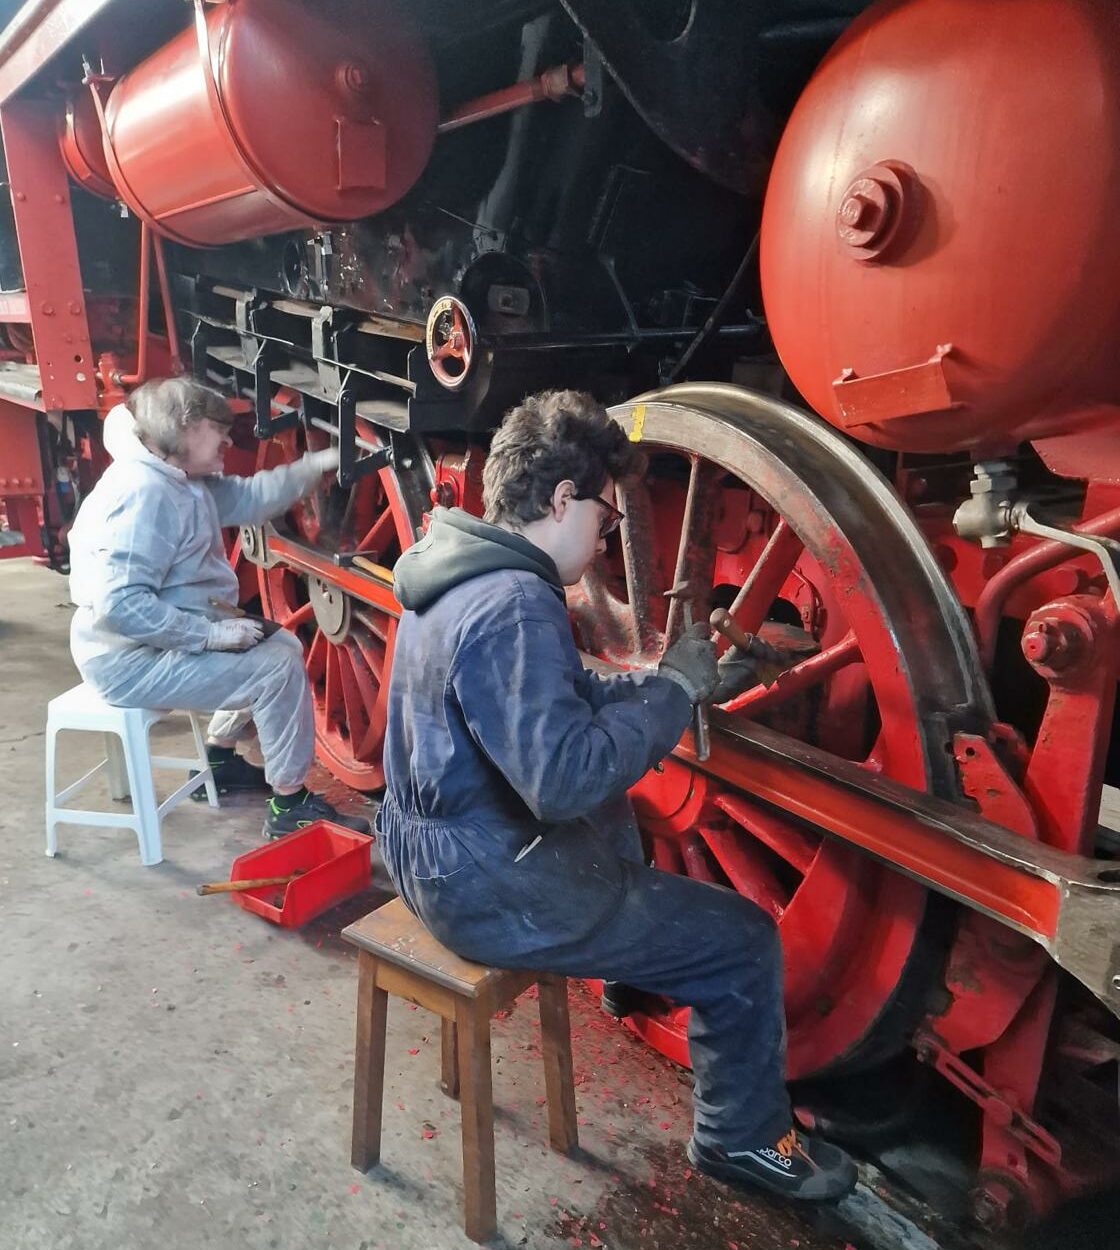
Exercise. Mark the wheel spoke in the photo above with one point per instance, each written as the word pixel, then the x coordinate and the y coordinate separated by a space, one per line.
pixel 797 848
pixel 695 550
pixel 356 715
pixel 696 861
pixel 300 616
pixel 801 677
pixel 384 529
pixel 636 536
pixel 332 700
pixel 747 868
pixel 667 856
pixel 317 657
pixel 758 592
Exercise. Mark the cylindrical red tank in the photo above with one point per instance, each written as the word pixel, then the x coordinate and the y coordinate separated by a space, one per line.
pixel 271 115
pixel 79 138
pixel 940 253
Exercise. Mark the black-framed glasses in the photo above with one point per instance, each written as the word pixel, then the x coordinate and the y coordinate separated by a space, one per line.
pixel 612 520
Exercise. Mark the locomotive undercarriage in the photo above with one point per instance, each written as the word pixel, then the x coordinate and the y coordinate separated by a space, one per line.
pixel 867 773
pixel 917 810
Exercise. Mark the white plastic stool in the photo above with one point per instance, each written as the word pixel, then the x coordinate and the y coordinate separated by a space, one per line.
pixel 129 763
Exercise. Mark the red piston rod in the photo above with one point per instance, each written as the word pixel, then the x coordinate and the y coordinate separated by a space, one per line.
pixel 553 84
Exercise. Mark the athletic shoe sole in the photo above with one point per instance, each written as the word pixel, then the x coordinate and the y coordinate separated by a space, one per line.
pixel 733 1174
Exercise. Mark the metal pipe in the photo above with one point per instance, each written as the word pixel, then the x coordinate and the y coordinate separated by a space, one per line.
pixel 168 307
pixel 989 606
pixel 332 430
pixel 141 374
pixel 553 84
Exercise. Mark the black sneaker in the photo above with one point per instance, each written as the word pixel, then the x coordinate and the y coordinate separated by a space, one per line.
pixel 289 812
pixel 232 774
pixel 621 1000
pixel 795 1166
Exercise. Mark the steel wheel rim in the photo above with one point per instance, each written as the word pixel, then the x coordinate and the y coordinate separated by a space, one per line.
pixel 880 913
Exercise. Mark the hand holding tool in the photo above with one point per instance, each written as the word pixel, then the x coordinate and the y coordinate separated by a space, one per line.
pixel 250 883
pixel 701 657
pixel 768 661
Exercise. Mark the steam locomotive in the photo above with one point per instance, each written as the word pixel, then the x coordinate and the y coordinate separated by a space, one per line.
pixel 848 274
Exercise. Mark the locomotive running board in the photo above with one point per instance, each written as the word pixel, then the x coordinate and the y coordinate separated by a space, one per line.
pixel 1069 904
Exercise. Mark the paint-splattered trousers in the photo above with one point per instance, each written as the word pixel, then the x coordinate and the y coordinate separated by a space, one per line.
pixel 582 903
pixel 266 685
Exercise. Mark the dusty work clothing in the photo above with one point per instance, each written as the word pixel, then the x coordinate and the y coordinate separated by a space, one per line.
pixel 146 559
pixel 507 830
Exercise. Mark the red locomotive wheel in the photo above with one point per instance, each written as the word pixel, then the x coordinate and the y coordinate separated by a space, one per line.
pixel 349 645
pixel 763 509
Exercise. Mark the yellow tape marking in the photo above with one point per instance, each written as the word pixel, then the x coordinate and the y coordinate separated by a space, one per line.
pixel 638 424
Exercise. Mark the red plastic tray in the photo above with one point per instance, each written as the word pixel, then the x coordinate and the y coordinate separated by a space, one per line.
pixel 335 864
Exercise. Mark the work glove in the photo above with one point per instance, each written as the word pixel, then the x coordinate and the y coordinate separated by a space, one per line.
pixel 738 671
pixel 238 634
pixel 323 461
pixel 691 663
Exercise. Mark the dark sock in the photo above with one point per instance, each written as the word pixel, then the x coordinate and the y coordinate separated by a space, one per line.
pixel 285 801
pixel 214 754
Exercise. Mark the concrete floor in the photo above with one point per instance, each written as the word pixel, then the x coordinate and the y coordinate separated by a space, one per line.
pixel 177 1072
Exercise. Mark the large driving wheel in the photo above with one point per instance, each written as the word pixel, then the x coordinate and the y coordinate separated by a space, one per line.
pixel 348 644
pixel 763 509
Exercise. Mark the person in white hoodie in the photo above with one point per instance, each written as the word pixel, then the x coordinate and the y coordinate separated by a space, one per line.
pixel 148 566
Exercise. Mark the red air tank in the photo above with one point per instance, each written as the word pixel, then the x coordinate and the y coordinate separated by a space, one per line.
pixel 940 251
pixel 271 115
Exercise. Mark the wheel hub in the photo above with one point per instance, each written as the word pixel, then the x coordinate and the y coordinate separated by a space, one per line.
pixel 331 608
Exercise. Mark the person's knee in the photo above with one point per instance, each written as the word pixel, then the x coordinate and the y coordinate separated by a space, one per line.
pixel 285 656
pixel 751 941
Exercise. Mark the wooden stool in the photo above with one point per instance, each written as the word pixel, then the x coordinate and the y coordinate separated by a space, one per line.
pixel 397 955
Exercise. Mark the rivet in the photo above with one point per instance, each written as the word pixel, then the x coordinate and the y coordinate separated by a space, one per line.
pixel 20 195
pixel 75 308
pixel 47 310
pixel 1116 981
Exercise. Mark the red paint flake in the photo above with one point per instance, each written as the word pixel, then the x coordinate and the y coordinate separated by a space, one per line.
pixel 355 1189
pixel 688 1174
pixel 575 1241
pixel 553 1201
pixel 87 893
pixel 414 1050
pixel 594 1240
pixel 665 1124
pixel 428 1133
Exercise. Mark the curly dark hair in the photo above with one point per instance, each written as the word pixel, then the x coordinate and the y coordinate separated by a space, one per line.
pixel 549 438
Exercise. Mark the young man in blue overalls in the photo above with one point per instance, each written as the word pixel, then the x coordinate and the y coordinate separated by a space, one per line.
pixel 506 825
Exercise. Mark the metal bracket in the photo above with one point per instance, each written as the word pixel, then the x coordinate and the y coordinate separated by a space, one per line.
pixel 351 467
pixel 266 424
pixel 200 342
pixel 1027 1131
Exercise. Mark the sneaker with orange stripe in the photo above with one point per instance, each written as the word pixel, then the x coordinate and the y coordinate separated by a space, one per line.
pixel 795 1166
